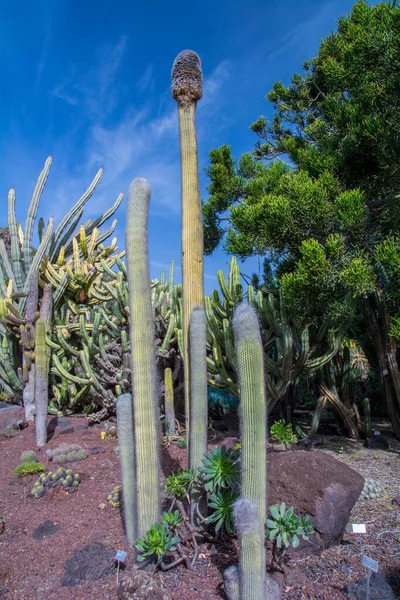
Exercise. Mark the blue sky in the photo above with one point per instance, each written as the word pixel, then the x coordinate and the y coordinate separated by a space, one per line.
pixel 89 83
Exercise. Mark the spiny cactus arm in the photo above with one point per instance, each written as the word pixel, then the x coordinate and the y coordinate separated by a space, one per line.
pixel 106 215
pixel 219 310
pixel 127 458
pixel 226 292
pixel 169 402
pixel 15 246
pixel 5 262
pixel 59 292
pixel 41 384
pixel 228 343
pixel 34 268
pixel 32 212
pixel 168 335
pixel 251 537
pixel 143 361
pixel 253 417
pixel 57 245
pixel 212 321
pixel 78 206
pixel 171 276
pixel 318 411
pixel 335 341
pixel 9 373
pixel 107 269
pixel 40 228
pixel 58 369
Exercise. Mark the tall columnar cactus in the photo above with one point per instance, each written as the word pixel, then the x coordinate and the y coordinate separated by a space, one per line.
pixel 169 402
pixel 143 360
pixel 251 536
pixel 187 90
pixel 197 439
pixel 127 459
pixel 41 391
pixel 253 408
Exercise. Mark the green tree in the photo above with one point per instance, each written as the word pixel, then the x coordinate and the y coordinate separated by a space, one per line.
pixel 319 196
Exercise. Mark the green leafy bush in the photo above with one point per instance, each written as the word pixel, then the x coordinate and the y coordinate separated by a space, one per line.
pixel 221 469
pixel 283 433
pixel 172 519
pixel 157 541
pixel 285 529
pixel 178 484
pixel 28 468
pixel 221 503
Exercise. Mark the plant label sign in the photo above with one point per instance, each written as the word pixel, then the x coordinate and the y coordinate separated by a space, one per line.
pixel 120 556
pixel 359 528
pixel 377 433
pixel 370 563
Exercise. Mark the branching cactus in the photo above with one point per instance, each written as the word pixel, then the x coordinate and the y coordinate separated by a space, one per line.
pixel 127 459
pixel 169 402
pixel 42 394
pixel 198 394
pixel 143 360
pixel 187 82
pixel 253 408
pixel 251 536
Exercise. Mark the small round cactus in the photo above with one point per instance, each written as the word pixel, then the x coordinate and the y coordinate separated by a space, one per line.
pixel 28 456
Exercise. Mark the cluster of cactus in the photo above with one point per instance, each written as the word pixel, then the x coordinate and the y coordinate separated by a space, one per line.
pixel 64 478
pixel 372 489
pixel 19 293
pixel 115 497
pixel 288 352
pixel 68 453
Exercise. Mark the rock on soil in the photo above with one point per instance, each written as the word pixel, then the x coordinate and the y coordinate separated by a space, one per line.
pixel 89 563
pixel 316 484
pixel 379 589
pixel 45 530
pixel 139 585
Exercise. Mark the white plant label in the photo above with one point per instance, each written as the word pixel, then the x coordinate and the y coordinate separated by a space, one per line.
pixel 359 528
pixel 370 563
pixel 120 556
pixel 377 433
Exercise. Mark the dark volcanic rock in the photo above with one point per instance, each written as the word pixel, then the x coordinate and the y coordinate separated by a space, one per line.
pixel 377 443
pixel 379 589
pixel 316 484
pixel 89 563
pixel 45 530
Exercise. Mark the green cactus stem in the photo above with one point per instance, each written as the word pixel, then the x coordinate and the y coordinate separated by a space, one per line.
pixel 127 459
pixel 41 391
pixel 251 536
pixel 169 402
pixel 253 409
pixel 143 360
pixel 197 439
pixel 367 417
pixel 187 90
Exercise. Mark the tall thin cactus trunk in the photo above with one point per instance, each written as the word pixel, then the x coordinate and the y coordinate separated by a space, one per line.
pixel 187 90
pixel 143 360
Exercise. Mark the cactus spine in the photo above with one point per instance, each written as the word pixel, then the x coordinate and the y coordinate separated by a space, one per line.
pixel 143 360
pixel 187 90
pixel 253 409
pixel 169 402
pixel 127 459
pixel 251 537
pixel 42 394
